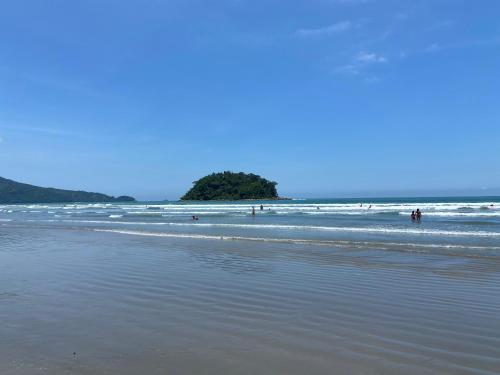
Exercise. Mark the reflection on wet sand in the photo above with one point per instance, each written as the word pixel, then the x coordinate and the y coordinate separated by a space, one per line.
pixel 127 304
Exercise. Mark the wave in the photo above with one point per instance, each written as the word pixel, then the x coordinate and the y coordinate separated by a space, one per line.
pixel 292 211
pixel 458 214
pixel 143 213
pixel 297 207
pixel 294 240
pixel 384 230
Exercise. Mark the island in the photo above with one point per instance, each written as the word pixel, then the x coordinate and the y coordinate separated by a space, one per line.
pixel 232 186
pixel 12 192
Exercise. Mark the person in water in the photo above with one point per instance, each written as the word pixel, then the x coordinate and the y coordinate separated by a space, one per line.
pixel 413 216
pixel 261 207
pixel 418 214
pixel 195 217
pixel 253 211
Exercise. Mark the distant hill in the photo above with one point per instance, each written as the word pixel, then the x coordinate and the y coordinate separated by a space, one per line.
pixel 15 192
pixel 232 186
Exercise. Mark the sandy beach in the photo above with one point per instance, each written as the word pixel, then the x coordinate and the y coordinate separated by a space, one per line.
pixel 83 302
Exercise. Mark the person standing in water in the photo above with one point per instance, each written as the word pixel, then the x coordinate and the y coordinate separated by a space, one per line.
pixel 253 210
pixel 261 207
pixel 413 216
pixel 419 215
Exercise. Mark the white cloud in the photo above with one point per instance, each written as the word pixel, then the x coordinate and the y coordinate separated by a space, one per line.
pixel 436 47
pixel 61 132
pixel 352 69
pixel 335 28
pixel 370 58
pixel 360 62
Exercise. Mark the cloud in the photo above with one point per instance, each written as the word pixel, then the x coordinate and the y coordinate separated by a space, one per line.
pixel 436 47
pixel 361 61
pixel 335 28
pixel 51 131
pixel 369 58
pixel 352 69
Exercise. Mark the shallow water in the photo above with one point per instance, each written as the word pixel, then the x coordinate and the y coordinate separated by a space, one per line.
pixel 159 298
pixel 468 226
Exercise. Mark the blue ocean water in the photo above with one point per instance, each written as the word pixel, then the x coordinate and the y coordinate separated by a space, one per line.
pixel 455 225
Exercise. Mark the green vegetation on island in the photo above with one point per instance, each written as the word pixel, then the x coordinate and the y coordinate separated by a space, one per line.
pixel 12 192
pixel 232 186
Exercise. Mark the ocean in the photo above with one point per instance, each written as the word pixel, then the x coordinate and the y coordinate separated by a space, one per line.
pixel 458 225
pixel 303 286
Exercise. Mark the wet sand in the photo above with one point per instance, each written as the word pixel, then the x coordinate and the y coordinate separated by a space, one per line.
pixel 129 305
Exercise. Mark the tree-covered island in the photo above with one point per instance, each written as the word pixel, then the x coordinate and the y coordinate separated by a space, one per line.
pixel 232 186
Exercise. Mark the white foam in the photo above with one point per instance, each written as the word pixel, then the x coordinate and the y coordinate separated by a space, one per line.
pixel 458 214
pixel 287 207
pixel 292 240
pixel 411 231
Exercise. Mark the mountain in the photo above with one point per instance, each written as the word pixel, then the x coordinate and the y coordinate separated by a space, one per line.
pixel 232 186
pixel 16 192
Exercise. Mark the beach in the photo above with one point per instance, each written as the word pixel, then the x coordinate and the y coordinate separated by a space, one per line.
pixel 304 287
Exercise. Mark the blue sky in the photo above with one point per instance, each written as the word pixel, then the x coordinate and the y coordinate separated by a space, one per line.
pixel 327 97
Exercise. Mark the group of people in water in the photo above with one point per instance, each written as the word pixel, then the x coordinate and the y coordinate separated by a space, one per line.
pixel 416 215
pixel 253 209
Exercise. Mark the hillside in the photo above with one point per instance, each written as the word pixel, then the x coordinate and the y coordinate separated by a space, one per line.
pixel 232 186
pixel 15 192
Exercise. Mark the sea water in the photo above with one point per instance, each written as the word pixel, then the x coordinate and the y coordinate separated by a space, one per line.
pixel 462 225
